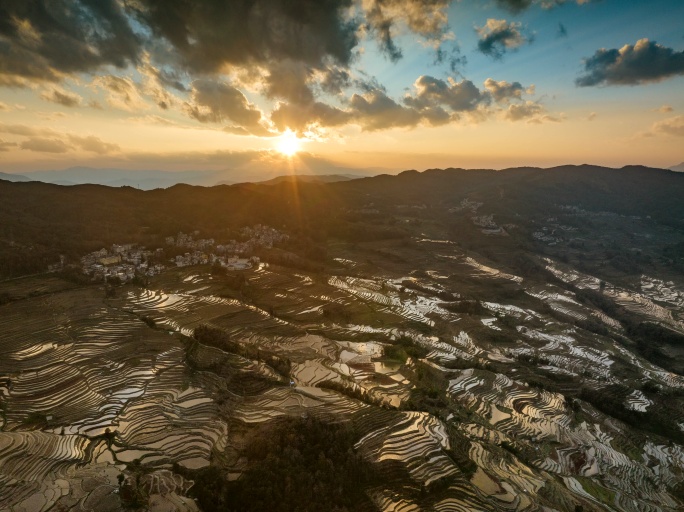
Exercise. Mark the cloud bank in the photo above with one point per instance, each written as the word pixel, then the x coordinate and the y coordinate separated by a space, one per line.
pixel 646 61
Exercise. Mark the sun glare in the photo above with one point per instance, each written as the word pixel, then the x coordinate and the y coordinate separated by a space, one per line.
pixel 288 143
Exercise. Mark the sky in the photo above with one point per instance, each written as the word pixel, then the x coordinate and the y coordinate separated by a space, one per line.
pixel 315 85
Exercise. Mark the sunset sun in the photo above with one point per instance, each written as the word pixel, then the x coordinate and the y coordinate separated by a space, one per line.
pixel 288 144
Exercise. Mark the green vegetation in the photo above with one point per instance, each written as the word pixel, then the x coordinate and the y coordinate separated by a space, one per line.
pixel 403 348
pixel 294 465
pixel 218 338
pixel 611 400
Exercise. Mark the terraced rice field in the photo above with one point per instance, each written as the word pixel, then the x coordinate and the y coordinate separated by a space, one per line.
pixel 78 371
pixel 631 300
pixel 91 387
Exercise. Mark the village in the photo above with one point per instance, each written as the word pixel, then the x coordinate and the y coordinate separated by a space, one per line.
pixel 125 262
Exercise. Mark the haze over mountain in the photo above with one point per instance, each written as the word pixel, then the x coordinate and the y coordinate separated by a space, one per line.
pixel 152 179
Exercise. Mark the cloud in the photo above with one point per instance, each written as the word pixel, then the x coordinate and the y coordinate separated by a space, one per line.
pixel 288 80
pixel 562 31
pixel 202 57
pixel 644 62
pixel 122 92
pixel 208 36
pixel 47 140
pixel 44 42
pixel 672 126
pixel 591 116
pixel 517 6
pixel 156 80
pixel 213 101
pixel 457 96
pixel 156 120
pixel 375 110
pixel 307 117
pixel 530 111
pixel 427 18
pixel 27 131
pixel 499 36
pixel 7 146
pixel 62 97
pixel 504 92
pixel 432 102
pixel 4 107
pixel 335 80
pixel 93 144
pixel 51 116
pixel 42 145
pixel 664 109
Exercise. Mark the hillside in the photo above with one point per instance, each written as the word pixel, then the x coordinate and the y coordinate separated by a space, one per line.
pixel 52 220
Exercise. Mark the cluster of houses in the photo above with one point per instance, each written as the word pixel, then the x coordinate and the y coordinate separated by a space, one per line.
pixel 126 261
pixel 122 261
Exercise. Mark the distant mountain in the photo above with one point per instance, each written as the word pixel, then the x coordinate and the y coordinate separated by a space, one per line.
pixel 13 177
pixel 145 179
pixel 307 178
pixel 678 168
pixel 253 172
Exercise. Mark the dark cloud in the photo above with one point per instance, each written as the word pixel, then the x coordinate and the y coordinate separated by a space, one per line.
pixel 335 81
pixel 294 53
pixel 499 36
pixel 62 97
pixel 646 61
pixel 452 56
pixel 212 34
pixel 517 6
pixel 377 111
pixel 301 117
pixel 213 101
pixel 456 96
pixel 432 101
pixel 288 80
pixel 562 31
pixel 42 41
